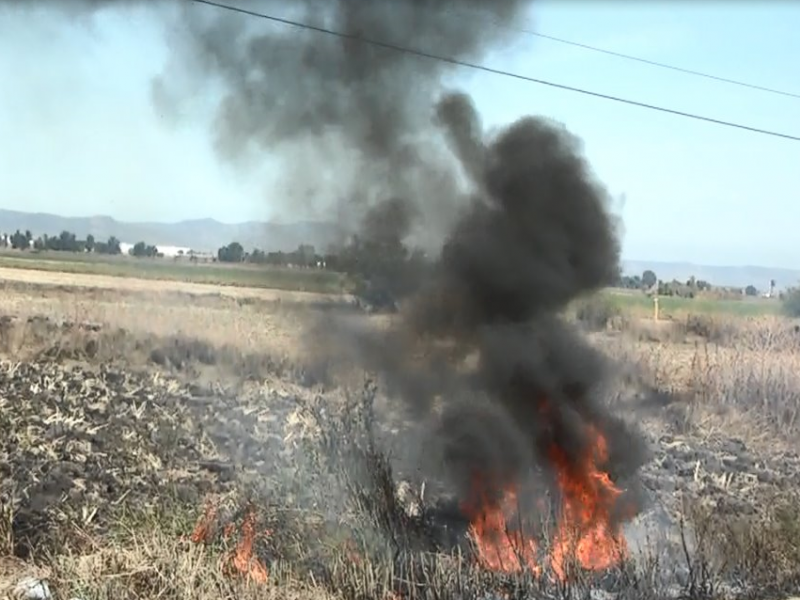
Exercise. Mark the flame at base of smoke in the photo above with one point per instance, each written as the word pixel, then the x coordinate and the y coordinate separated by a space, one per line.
pixel 587 534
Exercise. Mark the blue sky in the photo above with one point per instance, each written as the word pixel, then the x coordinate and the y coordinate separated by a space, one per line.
pixel 80 135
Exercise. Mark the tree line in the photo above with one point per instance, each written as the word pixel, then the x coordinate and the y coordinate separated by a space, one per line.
pixel 66 241
pixel 384 270
pixel 304 256
pixel 649 282
pixel 366 258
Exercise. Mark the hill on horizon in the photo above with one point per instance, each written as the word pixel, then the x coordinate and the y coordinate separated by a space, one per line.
pixel 734 276
pixel 198 234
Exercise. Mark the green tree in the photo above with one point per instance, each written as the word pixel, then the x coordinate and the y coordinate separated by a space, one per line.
pixel 649 279
pixel 19 241
pixel 113 246
pixel 67 242
pixel 139 249
pixel 142 250
pixel 307 255
pixel 665 289
pixel 89 244
pixel 232 253
pixel 750 290
pixel 257 256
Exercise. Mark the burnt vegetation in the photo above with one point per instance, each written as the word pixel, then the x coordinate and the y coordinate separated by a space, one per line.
pixel 132 484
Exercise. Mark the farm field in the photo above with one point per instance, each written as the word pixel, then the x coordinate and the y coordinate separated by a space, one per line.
pixel 325 282
pixel 171 270
pixel 143 419
pixel 672 305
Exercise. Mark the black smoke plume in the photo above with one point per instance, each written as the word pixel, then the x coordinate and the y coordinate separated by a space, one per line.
pixel 481 340
pixel 514 224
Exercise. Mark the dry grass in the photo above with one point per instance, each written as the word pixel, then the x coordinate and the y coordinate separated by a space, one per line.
pixel 128 284
pixel 149 558
pixel 737 375
pixel 347 535
pixel 250 320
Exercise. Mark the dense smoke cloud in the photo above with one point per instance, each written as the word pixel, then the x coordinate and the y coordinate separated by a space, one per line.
pixel 348 123
pixel 515 223
pixel 536 235
pixel 354 121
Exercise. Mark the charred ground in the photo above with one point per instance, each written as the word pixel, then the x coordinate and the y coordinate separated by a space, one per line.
pixel 110 462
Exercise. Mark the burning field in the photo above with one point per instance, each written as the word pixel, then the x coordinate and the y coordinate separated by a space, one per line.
pixel 477 443
pixel 128 476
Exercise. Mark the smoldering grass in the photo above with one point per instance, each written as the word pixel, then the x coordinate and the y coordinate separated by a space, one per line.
pixel 339 530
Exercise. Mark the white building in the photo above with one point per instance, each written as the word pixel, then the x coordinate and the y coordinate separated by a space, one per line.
pixel 173 251
pixel 164 250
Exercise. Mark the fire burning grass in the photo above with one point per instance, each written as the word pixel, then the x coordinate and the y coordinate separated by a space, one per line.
pixel 587 533
pixel 241 560
pixel 367 546
pixel 590 498
pixel 506 540
pixel 515 227
pixel 587 537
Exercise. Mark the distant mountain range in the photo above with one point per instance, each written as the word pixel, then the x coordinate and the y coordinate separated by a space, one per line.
pixel 199 234
pixel 209 235
pixel 716 275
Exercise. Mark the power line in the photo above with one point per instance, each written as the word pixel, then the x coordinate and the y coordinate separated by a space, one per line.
pixel 646 61
pixel 484 68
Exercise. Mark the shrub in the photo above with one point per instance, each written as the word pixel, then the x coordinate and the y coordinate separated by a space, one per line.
pixel 597 312
pixel 791 302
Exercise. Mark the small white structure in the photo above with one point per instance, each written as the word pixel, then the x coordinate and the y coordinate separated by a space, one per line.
pixel 201 256
pixel 172 251
pixel 163 250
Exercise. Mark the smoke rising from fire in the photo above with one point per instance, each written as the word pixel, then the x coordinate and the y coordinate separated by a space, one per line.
pixel 351 124
pixel 536 235
pixel 351 120
pixel 515 221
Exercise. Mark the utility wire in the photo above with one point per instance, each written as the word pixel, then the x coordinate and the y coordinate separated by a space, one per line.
pixel 478 67
pixel 643 60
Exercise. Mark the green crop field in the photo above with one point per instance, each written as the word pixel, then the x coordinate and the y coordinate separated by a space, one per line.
pixel 307 280
pixel 673 305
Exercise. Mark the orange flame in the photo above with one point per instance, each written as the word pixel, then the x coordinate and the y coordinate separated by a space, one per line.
pixel 586 531
pixel 203 529
pixel 499 548
pixel 241 560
